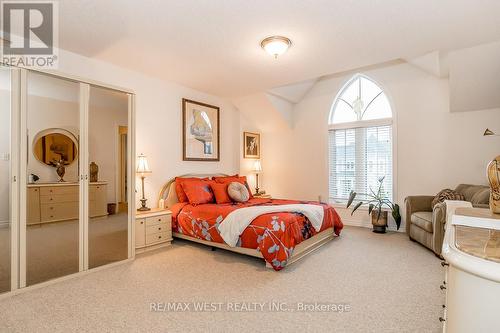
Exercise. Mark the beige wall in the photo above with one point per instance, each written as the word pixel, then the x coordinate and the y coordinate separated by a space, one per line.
pixel 435 148
pixel 267 116
pixel 51 113
pixel 103 138
pixel 158 126
pixel 158 121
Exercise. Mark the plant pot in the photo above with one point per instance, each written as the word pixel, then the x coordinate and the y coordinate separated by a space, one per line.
pixel 380 224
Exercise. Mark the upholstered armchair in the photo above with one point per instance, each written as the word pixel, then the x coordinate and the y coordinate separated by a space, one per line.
pixel 426 225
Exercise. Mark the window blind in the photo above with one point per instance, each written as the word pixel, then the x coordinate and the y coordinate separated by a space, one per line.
pixel 358 157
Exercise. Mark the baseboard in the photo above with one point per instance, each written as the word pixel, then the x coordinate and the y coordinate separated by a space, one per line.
pixel 354 223
pixel 362 224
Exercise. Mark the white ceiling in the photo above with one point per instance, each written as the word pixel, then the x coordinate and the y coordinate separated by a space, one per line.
pixel 213 46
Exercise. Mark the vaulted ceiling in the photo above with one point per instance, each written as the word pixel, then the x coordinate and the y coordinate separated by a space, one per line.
pixel 213 46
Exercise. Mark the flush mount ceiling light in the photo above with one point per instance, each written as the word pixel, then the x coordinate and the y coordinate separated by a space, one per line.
pixel 276 45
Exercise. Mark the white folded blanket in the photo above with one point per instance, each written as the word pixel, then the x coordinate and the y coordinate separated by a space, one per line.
pixel 238 220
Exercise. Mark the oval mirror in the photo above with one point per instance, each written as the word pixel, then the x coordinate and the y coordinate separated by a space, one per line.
pixel 55 145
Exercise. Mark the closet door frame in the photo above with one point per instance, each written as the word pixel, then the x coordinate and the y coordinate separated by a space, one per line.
pixel 83 261
pixel 23 172
pixel 131 175
pixel 15 84
pixel 18 236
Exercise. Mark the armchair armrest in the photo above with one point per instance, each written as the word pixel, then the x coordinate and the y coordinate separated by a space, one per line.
pixel 481 205
pixel 438 225
pixel 416 203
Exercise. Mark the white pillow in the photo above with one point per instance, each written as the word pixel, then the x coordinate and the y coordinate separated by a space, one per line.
pixel 238 192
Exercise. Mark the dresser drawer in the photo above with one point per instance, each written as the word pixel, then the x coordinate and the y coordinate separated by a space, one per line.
pixel 33 205
pixel 62 190
pixel 140 234
pixel 59 211
pixel 59 198
pixel 162 219
pixel 154 229
pixel 158 237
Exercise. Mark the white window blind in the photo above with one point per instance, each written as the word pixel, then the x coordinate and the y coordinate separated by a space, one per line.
pixel 358 157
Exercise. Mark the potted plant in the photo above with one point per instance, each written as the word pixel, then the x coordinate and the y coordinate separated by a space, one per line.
pixel 376 202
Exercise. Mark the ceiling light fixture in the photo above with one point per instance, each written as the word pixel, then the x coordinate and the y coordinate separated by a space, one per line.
pixel 276 45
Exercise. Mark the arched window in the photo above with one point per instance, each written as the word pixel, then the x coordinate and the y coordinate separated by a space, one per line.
pixel 360 140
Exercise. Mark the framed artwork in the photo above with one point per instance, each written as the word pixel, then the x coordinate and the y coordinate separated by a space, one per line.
pixel 251 145
pixel 200 131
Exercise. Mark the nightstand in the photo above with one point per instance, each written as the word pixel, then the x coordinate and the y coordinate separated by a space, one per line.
pixel 262 196
pixel 153 229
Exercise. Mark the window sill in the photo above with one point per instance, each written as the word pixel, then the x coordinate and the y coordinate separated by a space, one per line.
pixel 337 204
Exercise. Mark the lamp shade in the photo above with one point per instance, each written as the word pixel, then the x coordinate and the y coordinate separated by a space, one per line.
pixel 142 164
pixel 257 166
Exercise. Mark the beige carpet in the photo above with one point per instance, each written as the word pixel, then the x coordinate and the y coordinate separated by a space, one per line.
pixel 390 283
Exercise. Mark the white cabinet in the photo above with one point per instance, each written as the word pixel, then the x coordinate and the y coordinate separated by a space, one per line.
pixel 140 233
pixel 153 229
pixel 471 249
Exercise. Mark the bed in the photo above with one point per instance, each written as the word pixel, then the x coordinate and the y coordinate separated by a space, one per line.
pixel 280 238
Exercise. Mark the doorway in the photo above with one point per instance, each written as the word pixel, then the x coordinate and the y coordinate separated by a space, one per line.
pixel 122 162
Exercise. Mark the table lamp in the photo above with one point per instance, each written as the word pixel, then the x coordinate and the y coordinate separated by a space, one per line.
pixel 143 169
pixel 257 168
pixel 489 132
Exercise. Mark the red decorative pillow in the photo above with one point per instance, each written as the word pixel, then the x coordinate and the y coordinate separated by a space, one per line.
pixel 181 195
pixel 235 178
pixel 225 179
pixel 198 192
pixel 220 192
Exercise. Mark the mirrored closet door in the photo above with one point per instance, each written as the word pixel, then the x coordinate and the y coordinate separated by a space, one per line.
pixel 66 151
pixel 6 201
pixel 53 201
pixel 108 208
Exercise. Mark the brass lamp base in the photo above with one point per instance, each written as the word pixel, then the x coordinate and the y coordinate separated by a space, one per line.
pixel 144 208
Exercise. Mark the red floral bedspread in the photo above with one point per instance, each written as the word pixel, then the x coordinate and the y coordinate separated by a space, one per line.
pixel 275 235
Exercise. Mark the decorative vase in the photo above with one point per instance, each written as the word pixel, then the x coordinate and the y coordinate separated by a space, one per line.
pixel 494 179
pixel 61 170
pixel 94 172
pixel 379 222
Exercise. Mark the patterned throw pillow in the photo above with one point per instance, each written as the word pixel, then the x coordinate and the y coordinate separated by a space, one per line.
pixel 235 178
pixel 238 192
pixel 447 194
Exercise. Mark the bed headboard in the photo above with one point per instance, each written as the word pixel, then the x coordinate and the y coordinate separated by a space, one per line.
pixel 168 194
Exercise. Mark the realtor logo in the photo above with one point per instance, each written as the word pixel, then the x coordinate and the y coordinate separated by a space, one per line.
pixel 29 33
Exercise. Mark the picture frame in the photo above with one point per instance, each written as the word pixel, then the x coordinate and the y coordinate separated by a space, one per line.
pixel 251 145
pixel 200 131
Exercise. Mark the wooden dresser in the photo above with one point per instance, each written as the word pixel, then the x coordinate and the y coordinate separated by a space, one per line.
pixel 54 202
pixel 153 229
